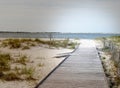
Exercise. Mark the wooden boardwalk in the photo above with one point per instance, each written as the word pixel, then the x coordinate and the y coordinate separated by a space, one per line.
pixel 82 69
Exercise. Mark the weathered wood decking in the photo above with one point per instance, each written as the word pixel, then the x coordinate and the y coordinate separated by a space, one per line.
pixel 82 69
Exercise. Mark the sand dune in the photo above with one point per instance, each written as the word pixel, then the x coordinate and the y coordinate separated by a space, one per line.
pixel 42 58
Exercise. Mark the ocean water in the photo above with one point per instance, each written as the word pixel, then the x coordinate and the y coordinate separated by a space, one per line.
pixel 55 35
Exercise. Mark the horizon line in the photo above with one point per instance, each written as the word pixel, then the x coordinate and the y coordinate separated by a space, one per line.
pixel 57 32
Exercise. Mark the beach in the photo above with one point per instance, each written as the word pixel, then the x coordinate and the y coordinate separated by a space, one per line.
pixel 42 58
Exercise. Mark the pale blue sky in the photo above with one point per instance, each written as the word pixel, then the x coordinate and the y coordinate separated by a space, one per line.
pixel 60 15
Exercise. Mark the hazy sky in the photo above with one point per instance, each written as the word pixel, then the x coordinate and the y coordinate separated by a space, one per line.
pixel 60 15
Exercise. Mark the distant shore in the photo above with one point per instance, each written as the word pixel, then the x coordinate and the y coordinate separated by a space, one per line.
pixel 55 35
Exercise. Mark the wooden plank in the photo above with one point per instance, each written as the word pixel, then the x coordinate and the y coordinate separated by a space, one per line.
pixel 82 69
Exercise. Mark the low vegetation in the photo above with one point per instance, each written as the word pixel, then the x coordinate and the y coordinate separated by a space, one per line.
pixel 110 59
pixel 115 39
pixel 110 69
pixel 15 67
pixel 8 73
pixel 25 47
pixel 40 64
pixel 66 43
pixel 17 43
pixel 4 62
pixel 22 59
pixel 27 43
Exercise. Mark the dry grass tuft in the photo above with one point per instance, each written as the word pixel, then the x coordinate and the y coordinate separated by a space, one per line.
pixel 16 73
pixel 27 43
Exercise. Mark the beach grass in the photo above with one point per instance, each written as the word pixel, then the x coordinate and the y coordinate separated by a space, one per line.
pixel 28 43
pixel 8 73
pixel 28 61
pixel 23 59
pixel 109 62
pixel 115 39
pixel 17 43
pixel 16 67
pixel 27 72
pixel 5 61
